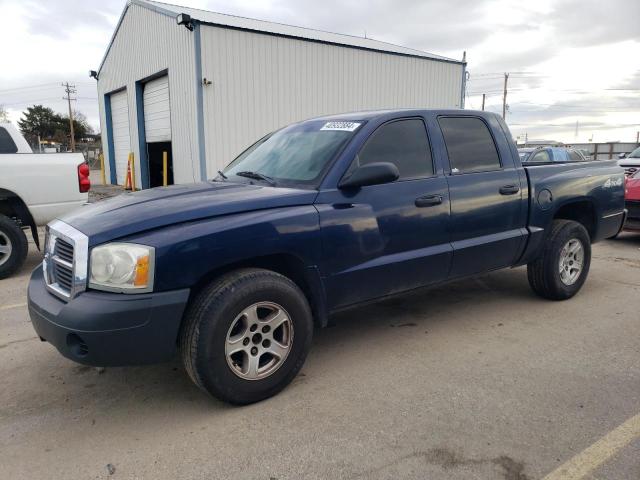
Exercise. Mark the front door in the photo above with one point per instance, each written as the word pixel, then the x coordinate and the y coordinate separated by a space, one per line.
pixel 384 239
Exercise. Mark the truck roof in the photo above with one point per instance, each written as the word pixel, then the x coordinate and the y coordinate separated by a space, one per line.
pixel 372 114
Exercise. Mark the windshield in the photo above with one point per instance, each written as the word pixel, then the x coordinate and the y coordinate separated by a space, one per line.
pixel 296 154
pixel 635 153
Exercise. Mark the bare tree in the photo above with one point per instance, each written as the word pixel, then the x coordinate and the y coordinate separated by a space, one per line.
pixel 4 115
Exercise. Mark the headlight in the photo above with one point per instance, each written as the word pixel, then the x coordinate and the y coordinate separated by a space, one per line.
pixel 122 267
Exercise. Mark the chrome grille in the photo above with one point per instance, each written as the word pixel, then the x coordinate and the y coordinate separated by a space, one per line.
pixel 628 171
pixel 65 260
pixel 63 250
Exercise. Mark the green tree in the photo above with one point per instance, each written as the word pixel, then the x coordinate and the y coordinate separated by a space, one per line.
pixel 43 121
pixel 39 120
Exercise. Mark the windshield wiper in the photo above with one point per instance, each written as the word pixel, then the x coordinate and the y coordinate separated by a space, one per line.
pixel 222 175
pixel 257 176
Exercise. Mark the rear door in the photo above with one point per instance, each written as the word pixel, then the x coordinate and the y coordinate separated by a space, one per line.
pixel 488 214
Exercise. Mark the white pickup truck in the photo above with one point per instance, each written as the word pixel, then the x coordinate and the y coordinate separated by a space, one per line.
pixel 34 189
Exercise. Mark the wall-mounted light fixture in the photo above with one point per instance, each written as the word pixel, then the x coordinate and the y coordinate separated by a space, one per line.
pixel 93 74
pixel 185 19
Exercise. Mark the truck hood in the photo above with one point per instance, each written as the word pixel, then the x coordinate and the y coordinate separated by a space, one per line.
pixel 135 212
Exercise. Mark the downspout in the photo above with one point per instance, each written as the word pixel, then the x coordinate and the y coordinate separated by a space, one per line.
pixel 199 100
pixel 464 79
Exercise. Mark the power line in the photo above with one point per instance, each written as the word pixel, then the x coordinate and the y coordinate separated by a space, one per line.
pixel 50 99
pixel 43 86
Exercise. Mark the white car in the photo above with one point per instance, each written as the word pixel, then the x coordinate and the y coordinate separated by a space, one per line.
pixel 34 189
pixel 631 163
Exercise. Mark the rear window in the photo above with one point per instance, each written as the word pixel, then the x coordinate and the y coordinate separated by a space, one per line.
pixel 469 145
pixel 7 145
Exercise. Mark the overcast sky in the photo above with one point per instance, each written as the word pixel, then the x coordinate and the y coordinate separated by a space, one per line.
pixel 570 61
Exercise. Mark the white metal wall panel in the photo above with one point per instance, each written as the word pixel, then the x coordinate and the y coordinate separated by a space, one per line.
pixel 145 44
pixel 262 82
pixel 157 111
pixel 121 133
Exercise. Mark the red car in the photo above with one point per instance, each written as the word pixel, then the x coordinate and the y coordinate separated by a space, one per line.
pixel 632 201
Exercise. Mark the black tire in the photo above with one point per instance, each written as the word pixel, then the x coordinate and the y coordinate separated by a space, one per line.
pixel 11 236
pixel 544 272
pixel 212 313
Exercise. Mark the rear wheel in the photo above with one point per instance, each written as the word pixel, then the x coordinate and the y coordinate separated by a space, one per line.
pixel 13 246
pixel 562 267
pixel 246 335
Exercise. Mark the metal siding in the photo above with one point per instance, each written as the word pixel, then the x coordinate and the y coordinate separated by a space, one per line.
pixel 121 133
pixel 147 43
pixel 157 117
pixel 263 82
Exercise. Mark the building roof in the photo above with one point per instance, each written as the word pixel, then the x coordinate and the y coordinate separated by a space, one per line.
pixel 242 23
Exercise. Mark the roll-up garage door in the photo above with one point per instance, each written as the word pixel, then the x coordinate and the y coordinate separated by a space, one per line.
pixel 157 118
pixel 121 135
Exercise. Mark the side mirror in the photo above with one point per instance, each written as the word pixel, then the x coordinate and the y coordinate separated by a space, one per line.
pixel 371 174
pixel 622 156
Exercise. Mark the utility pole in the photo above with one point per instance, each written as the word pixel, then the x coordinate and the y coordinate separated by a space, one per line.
pixel 69 89
pixel 483 97
pixel 504 96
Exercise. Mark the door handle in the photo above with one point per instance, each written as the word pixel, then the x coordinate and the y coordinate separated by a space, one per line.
pixel 428 201
pixel 509 190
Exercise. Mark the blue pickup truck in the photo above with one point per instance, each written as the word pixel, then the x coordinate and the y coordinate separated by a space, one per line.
pixel 234 273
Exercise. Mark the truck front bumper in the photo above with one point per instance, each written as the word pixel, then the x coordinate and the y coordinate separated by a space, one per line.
pixel 108 329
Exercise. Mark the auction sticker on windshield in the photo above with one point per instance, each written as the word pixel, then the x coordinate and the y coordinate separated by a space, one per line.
pixel 344 126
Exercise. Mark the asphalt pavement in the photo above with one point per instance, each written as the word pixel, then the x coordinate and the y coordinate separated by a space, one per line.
pixel 478 379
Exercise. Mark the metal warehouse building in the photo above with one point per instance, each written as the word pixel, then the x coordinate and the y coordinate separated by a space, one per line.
pixel 203 86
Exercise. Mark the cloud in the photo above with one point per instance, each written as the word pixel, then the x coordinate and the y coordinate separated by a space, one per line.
pixel 585 23
pixel 59 19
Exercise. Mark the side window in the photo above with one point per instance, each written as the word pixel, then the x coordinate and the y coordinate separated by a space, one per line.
pixel 574 156
pixel 560 155
pixel 469 145
pixel 403 143
pixel 540 157
pixel 7 145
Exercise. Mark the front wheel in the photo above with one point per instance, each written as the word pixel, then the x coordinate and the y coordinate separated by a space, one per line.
pixel 563 265
pixel 13 246
pixel 246 335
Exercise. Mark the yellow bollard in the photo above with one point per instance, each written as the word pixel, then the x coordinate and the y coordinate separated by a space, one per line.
pixel 133 172
pixel 165 179
pixel 102 173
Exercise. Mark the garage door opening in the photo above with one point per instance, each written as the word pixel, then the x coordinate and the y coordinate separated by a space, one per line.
pixel 155 153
